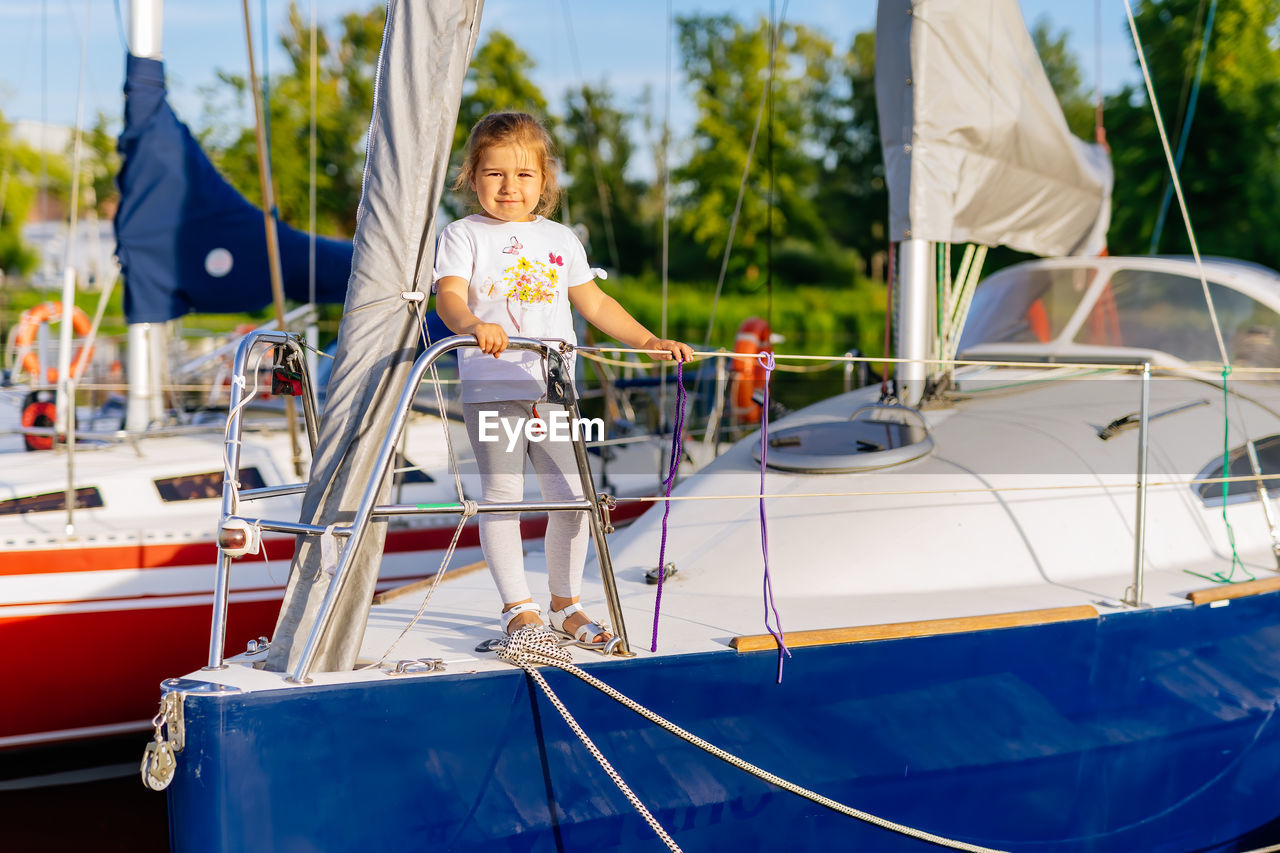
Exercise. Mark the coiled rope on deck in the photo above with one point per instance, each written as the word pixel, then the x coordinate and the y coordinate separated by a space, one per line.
pixel 530 648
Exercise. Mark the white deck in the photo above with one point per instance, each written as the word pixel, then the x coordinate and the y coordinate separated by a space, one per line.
pixel 869 548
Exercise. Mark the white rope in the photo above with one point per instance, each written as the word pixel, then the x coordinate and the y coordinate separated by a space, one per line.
pixel 533 645
pixel 532 650
pixel 469 508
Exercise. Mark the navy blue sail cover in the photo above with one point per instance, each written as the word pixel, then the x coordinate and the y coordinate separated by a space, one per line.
pixel 186 239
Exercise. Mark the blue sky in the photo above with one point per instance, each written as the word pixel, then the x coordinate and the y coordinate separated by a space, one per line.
pixel 622 43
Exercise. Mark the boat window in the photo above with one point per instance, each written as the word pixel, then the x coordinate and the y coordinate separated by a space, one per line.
pixel 875 436
pixel 87 497
pixel 195 487
pixel 1025 305
pixel 1166 312
pixel 1239 466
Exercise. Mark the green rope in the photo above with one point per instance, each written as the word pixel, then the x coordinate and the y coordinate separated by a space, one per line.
pixel 1219 577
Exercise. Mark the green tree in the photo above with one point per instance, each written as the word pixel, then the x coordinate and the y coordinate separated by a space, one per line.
pixel 498 80
pixel 852 193
pixel 726 64
pixel 101 165
pixel 19 178
pixel 1230 173
pixel 1063 70
pixel 344 102
pixel 597 149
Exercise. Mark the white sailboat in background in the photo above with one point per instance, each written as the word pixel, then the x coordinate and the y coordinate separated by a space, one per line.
pixel 106 541
pixel 997 588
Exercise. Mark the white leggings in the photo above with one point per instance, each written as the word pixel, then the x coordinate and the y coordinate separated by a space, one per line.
pixel 502 480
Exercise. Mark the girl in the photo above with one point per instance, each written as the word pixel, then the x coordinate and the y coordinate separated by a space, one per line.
pixel 509 271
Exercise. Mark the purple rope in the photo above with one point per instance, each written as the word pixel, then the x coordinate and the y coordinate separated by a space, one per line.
pixel 766 360
pixel 677 451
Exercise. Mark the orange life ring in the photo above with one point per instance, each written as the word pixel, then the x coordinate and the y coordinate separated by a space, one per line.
pixel 753 338
pixel 39 413
pixel 29 325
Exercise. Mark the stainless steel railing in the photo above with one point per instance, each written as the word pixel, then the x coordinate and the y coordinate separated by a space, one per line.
pixel 369 509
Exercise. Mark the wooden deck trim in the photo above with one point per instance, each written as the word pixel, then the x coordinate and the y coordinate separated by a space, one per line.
pixel 926 628
pixel 419 586
pixel 1226 591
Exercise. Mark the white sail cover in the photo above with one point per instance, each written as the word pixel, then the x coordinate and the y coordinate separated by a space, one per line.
pixel 976 148
pixel 426 48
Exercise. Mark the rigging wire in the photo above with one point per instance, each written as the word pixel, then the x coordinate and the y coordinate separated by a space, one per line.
pixel 311 193
pixel 742 187
pixel 1097 70
pixel 1195 253
pixel 1186 129
pixel 42 193
pixel 666 222
pixel 266 100
pixel 7 169
pixel 593 153
pixel 73 202
pixel 1177 184
pixel 120 30
pixel 775 32
pixel 1189 73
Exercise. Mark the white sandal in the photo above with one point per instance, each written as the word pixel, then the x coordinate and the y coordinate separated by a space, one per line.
pixel 584 636
pixel 526 607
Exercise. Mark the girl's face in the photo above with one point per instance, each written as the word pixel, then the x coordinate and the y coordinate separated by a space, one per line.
pixel 508 182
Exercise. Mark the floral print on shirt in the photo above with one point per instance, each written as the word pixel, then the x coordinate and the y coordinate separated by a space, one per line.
pixel 531 282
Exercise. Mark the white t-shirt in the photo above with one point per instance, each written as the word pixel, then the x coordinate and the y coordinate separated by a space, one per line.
pixel 519 275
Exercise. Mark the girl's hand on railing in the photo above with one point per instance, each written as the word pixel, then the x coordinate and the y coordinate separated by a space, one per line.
pixel 491 337
pixel 670 349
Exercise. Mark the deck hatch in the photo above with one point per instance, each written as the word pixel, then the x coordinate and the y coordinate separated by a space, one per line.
pixel 876 436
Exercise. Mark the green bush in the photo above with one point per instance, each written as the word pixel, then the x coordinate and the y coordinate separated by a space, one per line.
pixel 813 319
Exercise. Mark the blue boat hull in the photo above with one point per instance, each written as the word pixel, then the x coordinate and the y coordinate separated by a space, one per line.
pixel 1148 730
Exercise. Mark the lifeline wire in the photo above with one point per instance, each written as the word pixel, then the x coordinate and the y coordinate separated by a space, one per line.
pixel 677 451
pixel 766 360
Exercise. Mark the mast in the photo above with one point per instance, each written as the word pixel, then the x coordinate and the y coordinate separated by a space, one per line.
pixel 147 341
pixel 915 318
pixel 272 234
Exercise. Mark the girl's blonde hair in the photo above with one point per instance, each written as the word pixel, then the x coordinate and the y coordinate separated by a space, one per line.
pixel 512 128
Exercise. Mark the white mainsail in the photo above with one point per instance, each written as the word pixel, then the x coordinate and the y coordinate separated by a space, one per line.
pixel 426 49
pixel 976 147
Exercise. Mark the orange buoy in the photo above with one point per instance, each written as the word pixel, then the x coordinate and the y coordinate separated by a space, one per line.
pixel 28 326
pixel 38 413
pixel 753 337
